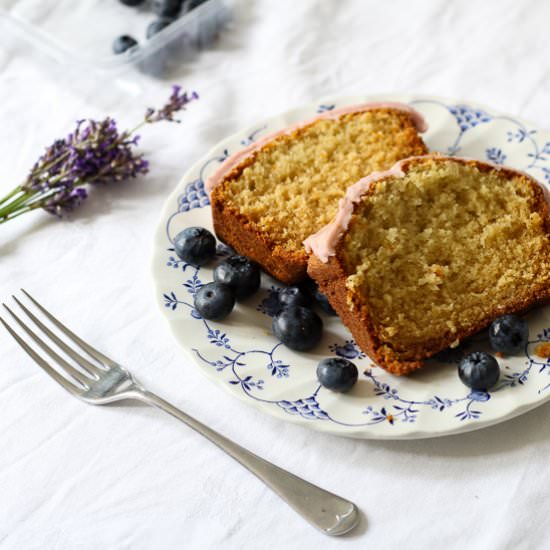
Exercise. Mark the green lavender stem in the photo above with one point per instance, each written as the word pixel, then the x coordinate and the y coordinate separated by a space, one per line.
pixel 23 210
pixel 10 195
pixel 14 204
pixel 25 204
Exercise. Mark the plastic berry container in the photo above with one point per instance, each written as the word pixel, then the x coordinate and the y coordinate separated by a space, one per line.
pixel 79 35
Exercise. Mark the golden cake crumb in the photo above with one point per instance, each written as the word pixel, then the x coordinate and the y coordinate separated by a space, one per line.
pixel 468 244
pixel 543 350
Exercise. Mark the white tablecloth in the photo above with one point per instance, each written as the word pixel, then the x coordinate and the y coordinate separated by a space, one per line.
pixel 76 477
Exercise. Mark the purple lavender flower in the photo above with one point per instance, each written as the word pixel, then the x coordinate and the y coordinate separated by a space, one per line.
pixel 94 153
pixel 64 201
pixel 177 102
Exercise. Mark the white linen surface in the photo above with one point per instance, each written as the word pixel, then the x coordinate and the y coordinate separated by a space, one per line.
pixel 77 477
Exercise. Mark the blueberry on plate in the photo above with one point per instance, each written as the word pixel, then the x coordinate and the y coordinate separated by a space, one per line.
pixel 240 274
pixel 123 43
pixel 479 371
pixel 311 289
pixel 293 296
pixel 167 8
pixel 509 334
pixel 337 374
pixel 308 286
pixel 195 245
pixel 156 26
pixel 225 250
pixel 298 327
pixel 323 302
pixel 214 301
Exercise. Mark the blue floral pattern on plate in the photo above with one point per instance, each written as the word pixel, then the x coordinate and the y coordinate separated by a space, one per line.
pixel 243 356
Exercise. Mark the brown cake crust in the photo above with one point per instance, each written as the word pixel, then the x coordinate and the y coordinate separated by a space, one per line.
pixel 331 278
pixel 248 239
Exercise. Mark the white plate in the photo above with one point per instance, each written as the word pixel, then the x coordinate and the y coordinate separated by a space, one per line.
pixel 243 356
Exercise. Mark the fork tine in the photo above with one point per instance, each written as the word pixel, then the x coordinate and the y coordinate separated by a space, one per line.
pixel 83 379
pixel 70 387
pixel 75 356
pixel 97 355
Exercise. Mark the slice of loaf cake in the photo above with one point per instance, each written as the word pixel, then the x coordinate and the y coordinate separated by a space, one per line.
pixel 430 252
pixel 269 197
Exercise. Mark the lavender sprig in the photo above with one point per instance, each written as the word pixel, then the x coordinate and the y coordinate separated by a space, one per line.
pixel 176 103
pixel 95 153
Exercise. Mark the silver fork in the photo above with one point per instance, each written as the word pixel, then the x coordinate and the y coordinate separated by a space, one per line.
pixel 100 380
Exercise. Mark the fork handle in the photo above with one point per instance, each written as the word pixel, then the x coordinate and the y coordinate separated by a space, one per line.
pixel 328 512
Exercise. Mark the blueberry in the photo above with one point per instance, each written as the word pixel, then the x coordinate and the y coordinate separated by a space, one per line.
pixel 337 374
pixel 123 43
pixel 214 301
pixel 240 274
pixel 310 287
pixel 293 296
pixel 479 371
pixel 323 302
pixel 131 2
pixel 195 245
pixel 225 250
pixel 167 8
pixel 298 327
pixel 156 26
pixel 509 334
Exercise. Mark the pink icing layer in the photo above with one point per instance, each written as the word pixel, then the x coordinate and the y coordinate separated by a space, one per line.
pixel 323 243
pixel 235 159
